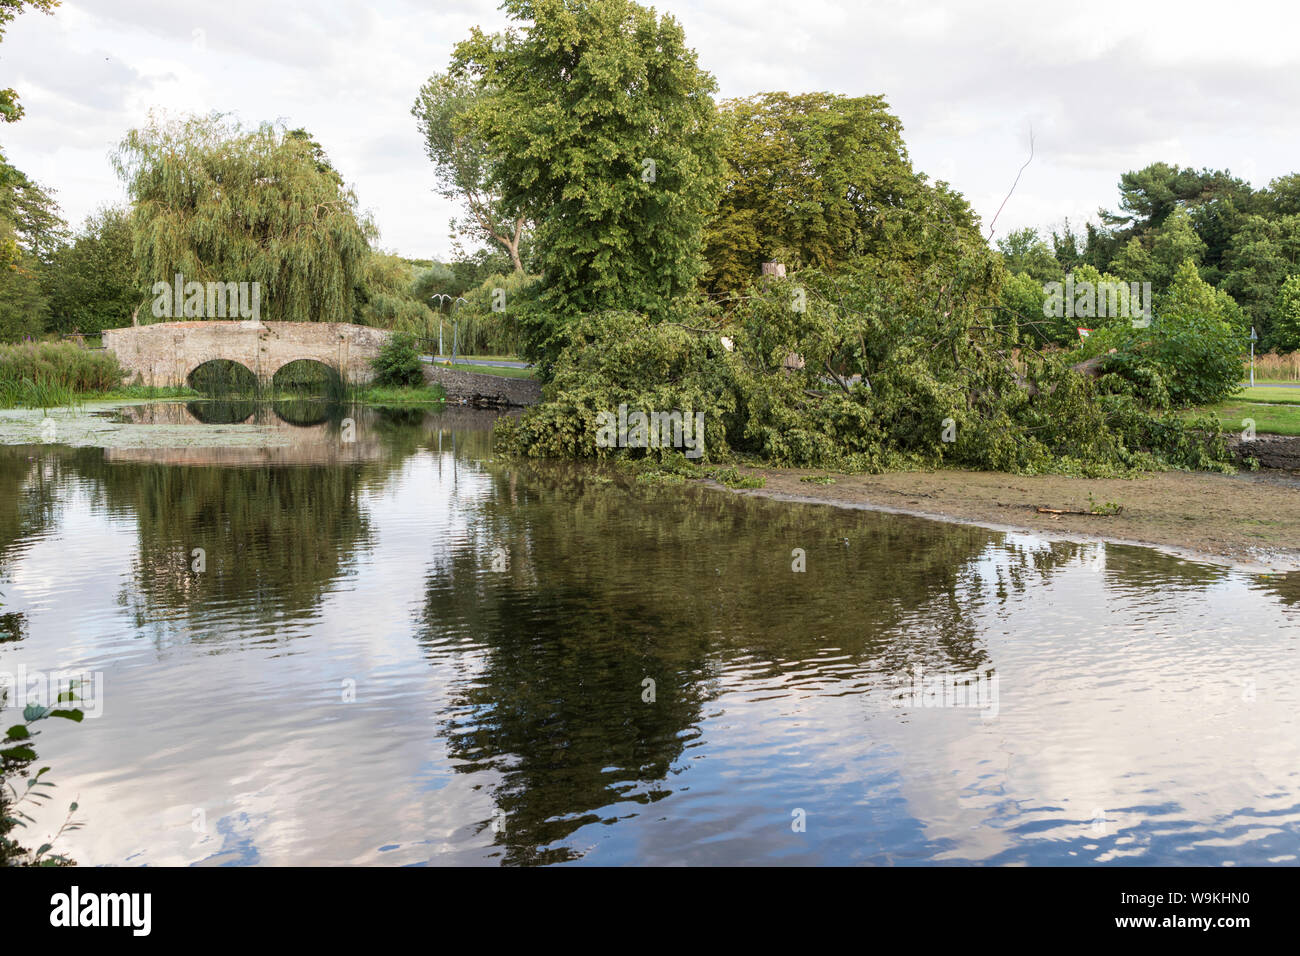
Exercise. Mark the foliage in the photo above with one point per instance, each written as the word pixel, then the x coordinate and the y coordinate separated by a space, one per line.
pixel 483 329
pixel 1286 324
pixel 398 363
pixel 30 228
pixel 1174 244
pixel 62 364
pixel 817 181
pixel 1134 263
pixel 388 296
pixel 1190 354
pixel 1025 253
pixel 461 162
pixel 91 282
pixel 17 754
pixel 1244 241
pixel 23 305
pixel 1262 254
pixel 899 368
pixel 216 202
pixel 600 128
pixel 1024 299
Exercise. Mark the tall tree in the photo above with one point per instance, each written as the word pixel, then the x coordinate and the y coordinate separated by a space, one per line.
pixel 818 180
pixel 1025 253
pixel 1286 322
pixel 216 202
pixel 92 282
pixel 460 162
pixel 1149 195
pixel 600 128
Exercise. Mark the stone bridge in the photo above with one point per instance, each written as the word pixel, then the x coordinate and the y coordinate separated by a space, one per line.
pixel 167 352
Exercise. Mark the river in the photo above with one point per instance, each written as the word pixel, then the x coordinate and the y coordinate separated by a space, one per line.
pixel 387 647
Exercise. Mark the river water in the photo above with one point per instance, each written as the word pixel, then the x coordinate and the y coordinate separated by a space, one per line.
pixel 393 649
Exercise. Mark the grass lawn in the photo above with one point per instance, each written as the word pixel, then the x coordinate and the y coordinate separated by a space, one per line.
pixel 1269 419
pixel 1275 411
pixel 491 370
pixel 1274 396
pixel 419 395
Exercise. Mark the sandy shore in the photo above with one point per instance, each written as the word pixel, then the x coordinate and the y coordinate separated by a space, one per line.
pixel 1246 520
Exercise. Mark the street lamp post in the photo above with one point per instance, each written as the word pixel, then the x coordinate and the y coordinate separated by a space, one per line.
pixel 1253 339
pixel 442 300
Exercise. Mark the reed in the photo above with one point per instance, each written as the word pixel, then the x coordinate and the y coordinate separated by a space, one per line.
pixel 47 374
pixel 1274 367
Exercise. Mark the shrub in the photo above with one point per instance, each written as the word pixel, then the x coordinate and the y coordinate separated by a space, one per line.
pixel 398 364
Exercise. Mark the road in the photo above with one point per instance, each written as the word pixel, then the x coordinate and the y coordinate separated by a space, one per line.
pixel 462 360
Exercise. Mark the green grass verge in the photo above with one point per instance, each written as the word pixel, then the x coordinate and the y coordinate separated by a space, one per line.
pixel 419 395
pixel 490 370
pixel 1268 419
pixel 1263 393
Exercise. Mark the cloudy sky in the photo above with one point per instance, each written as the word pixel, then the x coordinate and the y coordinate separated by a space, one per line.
pixel 1105 87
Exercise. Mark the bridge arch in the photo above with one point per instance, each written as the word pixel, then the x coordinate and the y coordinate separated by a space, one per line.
pixel 221 376
pixel 308 375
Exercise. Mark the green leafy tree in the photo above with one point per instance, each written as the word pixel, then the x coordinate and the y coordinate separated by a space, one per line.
pixel 1024 297
pixel 1149 196
pixel 23 305
pixel 1175 243
pixel 1134 263
pixel 818 181
pixel 1286 323
pixel 1025 253
pixel 215 202
pixel 1261 256
pixel 30 230
pixel 92 282
pixel 387 297
pixel 1189 355
pixel 461 162
pixel 1066 246
pixel 601 129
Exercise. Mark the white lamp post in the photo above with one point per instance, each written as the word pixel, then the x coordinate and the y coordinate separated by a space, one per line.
pixel 1253 339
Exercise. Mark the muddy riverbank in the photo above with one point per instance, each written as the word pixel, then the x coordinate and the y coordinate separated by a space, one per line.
pixel 1249 520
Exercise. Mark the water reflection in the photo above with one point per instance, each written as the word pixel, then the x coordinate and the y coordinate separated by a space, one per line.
pixel 405 651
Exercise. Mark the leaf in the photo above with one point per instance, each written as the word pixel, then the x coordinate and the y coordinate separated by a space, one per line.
pixel 18 754
pixel 17 732
pixel 74 714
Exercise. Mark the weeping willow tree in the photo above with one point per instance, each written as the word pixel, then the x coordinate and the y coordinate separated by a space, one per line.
pixel 215 202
